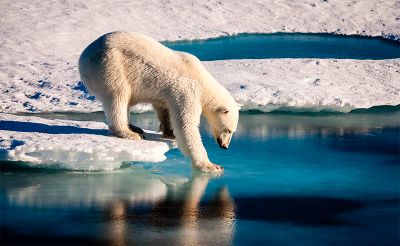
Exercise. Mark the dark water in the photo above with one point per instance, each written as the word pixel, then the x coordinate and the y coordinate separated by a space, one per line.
pixel 290 179
pixel 289 45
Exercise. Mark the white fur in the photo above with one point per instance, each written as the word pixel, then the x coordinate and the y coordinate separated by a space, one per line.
pixel 123 69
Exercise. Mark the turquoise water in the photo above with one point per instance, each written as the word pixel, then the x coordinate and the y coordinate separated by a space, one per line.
pixel 289 45
pixel 290 179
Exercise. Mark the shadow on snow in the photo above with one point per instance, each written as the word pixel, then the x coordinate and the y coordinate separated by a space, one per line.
pixel 17 126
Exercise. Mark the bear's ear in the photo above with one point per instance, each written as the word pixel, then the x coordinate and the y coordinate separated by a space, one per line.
pixel 222 110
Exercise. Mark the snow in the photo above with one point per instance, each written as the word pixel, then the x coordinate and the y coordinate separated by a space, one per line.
pixel 76 145
pixel 311 84
pixel 41 42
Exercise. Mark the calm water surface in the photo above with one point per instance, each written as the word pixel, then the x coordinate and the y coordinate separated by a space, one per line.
pixel 290 179
pixel 289 45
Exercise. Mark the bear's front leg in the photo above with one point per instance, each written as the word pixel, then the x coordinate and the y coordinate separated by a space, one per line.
pixel 185 122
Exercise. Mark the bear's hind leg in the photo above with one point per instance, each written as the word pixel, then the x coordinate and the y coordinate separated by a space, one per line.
pixel 117 117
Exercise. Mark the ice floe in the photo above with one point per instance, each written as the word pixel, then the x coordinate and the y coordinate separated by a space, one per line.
pixel 77 145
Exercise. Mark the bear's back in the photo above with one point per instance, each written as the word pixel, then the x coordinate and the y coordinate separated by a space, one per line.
pixel 134 47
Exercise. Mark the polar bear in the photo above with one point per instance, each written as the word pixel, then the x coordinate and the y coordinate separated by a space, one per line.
pixel 123 69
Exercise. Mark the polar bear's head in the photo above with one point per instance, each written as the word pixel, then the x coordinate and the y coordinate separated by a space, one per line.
pixel 223 121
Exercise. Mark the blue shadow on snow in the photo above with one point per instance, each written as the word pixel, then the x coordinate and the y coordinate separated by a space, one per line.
pixel 17 126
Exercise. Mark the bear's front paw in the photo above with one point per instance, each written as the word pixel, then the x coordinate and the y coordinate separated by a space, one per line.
pixel 209 167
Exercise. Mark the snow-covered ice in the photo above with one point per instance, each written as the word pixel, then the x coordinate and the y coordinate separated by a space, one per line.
pixel 76 145
pixel 311 84
pixel 41 42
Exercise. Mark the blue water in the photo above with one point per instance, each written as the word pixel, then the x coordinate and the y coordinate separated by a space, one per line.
pixel 290 179
pixel 289 45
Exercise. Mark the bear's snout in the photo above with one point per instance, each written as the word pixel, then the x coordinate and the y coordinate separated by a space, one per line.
pixel 221 145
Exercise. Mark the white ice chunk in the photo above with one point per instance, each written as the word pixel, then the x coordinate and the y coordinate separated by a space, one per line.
pixel 77 145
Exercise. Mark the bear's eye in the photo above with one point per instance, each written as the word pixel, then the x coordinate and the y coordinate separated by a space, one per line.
pixel 228 131
pixel 222 110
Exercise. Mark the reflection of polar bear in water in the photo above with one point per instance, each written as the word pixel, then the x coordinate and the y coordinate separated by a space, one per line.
pixel 123 69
